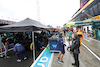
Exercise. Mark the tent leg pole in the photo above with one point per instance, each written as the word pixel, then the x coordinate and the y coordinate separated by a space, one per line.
pixel 1 47
pixel 33 46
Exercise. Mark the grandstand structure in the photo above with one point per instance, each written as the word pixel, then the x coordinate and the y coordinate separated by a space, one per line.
pixel 92 8
pixel 6 22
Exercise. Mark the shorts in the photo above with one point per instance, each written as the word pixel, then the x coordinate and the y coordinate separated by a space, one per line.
pixel 62 51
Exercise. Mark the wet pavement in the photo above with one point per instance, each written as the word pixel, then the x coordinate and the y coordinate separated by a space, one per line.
pixel 92 44
pixel 85 57
pixel 12 61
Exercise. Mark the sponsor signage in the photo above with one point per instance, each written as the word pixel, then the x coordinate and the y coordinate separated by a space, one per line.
pixel 54 45
pixel 43 60
pixel 96 17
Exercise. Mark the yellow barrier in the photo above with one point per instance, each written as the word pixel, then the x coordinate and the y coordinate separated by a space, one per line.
pixel 31 46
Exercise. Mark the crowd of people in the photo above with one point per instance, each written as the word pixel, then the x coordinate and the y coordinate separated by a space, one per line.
pixel 22 42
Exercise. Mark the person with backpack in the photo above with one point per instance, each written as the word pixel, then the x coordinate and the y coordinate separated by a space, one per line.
pixel 75 49
pixel 19 48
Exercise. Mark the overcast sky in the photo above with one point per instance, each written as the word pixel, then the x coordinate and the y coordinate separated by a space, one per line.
pixel 51 12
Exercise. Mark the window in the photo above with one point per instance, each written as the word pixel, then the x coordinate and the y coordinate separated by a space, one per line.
pixel 99 6
pixel 91 11
pixel 96 11
pixel 81 16
pixel 88 12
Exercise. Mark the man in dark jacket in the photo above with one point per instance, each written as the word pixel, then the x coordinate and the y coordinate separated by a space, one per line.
pixel 75 49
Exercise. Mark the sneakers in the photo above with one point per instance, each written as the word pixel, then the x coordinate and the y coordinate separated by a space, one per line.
pixel 58 58
pixel 73 64
pixel 60 62
pixel 18 60
pixel 25 58
pixel 6 57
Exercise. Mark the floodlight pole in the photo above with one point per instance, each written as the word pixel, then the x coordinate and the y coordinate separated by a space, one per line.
pixel 38 9
pixel 33 46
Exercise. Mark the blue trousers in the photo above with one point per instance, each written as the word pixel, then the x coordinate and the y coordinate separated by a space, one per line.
pixel 17 54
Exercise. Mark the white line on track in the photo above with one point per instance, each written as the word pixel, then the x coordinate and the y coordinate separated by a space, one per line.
pixel 91 51
pixel 86 39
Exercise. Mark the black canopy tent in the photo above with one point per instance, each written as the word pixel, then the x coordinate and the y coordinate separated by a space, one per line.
pixel 50 27
pixel 25 26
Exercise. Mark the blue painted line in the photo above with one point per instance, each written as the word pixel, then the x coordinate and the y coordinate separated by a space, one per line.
pixel 43 60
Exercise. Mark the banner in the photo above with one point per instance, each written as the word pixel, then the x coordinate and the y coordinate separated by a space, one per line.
pixel 93 18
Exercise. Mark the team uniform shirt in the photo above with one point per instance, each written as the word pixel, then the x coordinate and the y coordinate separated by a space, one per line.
pixel 61 44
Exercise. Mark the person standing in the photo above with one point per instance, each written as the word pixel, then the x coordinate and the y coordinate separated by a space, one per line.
pixel 80 34
pixel 75 49
pixel 5 44
pixel 62 50
pixel 70 35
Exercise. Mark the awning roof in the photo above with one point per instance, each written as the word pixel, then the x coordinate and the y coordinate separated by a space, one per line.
pixel 81 23
pixel 23 26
